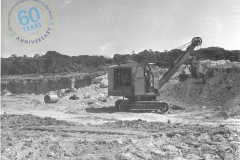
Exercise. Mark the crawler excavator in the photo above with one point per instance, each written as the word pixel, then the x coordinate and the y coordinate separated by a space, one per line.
pixel 135 83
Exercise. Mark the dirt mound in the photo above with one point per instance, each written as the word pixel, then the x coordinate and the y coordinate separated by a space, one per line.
pixel 166 127
pixel 221 90
pixel 137 124
pixel 30 120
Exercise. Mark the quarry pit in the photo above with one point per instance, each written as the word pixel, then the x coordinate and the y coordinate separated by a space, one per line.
pixel 203 122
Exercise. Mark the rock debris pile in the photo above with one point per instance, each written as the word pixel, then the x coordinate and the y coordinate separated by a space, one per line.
pixel 30 120
pixel 221 90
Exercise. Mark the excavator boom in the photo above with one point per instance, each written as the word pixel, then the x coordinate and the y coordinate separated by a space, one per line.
pixel 195 42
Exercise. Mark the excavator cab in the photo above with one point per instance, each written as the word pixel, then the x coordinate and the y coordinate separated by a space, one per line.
pixel 131 80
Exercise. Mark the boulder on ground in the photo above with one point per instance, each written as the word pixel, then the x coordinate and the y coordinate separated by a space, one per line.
pixel 5 92
pixel 91 101
pixel 73 97
pixel 63 93
pixel 102 98
pixel 111 97
pixel 73 90
pixel 67 91
pixel 104 83
pixel 99 79
pixel 62 90
pixel 87 95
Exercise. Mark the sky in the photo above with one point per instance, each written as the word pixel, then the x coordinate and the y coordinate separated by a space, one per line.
pixel 108 27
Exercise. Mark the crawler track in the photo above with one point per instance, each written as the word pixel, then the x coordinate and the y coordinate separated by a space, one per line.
pixel 160 107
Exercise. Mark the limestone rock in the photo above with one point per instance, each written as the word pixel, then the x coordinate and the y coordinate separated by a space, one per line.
pixel 61 93
pixel 111 97
pixel 74 90
pixel 91 101
pixel 104 83
pixel 67 91
pixel 87 95
pixel 62 90
pixel 73 97
pixel 5 92
pixel 99 79
pixel 102 99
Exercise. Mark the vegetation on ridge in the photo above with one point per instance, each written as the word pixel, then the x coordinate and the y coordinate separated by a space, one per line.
pixel 54 62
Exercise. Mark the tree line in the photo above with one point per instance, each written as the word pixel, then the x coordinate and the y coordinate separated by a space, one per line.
pixel 54 62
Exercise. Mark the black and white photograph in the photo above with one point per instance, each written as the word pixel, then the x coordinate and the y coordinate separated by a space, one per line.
pixel 120 80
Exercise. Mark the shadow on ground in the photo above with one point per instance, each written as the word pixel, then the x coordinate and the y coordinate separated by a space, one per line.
pixel 110 109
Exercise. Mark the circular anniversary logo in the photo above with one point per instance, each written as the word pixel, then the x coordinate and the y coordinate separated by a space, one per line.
pixel 30 22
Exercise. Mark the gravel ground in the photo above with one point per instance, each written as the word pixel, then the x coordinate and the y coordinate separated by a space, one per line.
pixel 159 140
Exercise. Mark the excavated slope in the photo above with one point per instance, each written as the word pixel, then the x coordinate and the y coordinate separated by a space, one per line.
pixel 44 84
pixel 222 90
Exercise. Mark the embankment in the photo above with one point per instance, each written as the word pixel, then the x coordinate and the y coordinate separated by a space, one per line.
pixel 44 84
